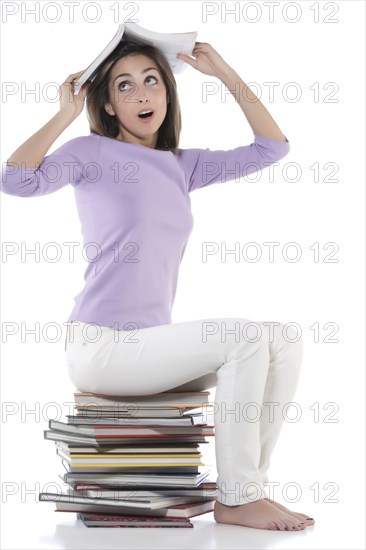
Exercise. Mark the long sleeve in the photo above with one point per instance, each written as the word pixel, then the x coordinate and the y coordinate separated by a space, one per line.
pixel 66 165
pixel 204 167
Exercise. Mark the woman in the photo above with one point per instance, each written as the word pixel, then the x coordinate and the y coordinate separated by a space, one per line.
pixel 132 185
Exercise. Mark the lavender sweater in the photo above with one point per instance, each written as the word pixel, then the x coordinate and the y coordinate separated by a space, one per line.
pixel 135 213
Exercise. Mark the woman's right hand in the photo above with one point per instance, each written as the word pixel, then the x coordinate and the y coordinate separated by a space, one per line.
pixel 70 103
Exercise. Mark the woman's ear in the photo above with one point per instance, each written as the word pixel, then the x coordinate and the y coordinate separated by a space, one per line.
pixel 109 109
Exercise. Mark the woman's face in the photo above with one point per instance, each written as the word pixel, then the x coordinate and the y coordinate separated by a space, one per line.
pixel 141 89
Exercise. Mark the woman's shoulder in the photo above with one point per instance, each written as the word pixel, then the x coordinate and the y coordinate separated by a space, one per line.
pixel 80 146
pixel 188 157
pixel 83 140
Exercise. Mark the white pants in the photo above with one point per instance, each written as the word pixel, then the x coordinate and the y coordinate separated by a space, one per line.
pixel 253 365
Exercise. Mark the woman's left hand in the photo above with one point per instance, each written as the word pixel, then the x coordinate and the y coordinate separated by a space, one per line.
pixel 207 61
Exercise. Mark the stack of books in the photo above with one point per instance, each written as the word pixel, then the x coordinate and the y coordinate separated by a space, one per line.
pixel 135 461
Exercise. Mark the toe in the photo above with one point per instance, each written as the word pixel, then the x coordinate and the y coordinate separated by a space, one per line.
pixel 298 517
pixel 281 525
pixel 306 518
pixel 293 525
pixel 289 522
pixel 288 525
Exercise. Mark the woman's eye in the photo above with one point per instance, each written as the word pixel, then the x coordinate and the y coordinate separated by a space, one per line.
pixel 125 83
pixel 153 77
pixel 122 84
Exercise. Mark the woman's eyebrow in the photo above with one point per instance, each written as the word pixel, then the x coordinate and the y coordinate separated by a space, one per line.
pixel 142 72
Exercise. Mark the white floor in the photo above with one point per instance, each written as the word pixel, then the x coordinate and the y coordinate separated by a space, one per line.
pixel 37 526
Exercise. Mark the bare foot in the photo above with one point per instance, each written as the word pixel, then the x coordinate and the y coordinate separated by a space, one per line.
pixel 260 514
pixel 298 515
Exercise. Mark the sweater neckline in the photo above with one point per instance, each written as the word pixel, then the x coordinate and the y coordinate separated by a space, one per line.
pixel 129 143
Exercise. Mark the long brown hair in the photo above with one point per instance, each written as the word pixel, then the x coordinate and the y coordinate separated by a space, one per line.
pixel 102 123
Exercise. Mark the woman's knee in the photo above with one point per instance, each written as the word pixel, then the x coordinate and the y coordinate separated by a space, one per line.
pixel 292 334
pixel 291 341
pixel 251 341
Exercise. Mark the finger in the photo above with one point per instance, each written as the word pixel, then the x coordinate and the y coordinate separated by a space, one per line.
pixel 85 86
pixel 183 56
pixel 186 58
pixel 79 72
pixel 72 76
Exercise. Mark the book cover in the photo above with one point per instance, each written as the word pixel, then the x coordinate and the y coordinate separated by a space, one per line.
pixel 142 457
pixel 205 489
pixel 185 420
pixel 132 411
pixel 125 479
pixel 177 511
pixel 135 468
pixel 164 506
pixel 95 520
pixel 109 440
pixel 173 399
pixel 75 450
pixel 140 495
pixel 105 430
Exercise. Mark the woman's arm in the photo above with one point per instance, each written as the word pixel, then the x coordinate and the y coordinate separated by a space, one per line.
pixel 257 115
pixel 32 152
pixel 209 61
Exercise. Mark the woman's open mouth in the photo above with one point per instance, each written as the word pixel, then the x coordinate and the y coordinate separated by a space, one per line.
pixel 146 116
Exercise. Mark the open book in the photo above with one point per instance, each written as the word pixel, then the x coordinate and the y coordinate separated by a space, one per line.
pixel 169 43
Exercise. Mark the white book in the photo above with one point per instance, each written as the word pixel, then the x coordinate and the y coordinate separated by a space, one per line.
pixel 169 43
pixel 122 504
pixel 131 402
pixel 167 480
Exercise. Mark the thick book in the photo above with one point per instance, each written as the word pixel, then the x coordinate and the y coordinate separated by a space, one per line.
pixel 88 461
pixel 128 457
pixel 170 44
pixel 204 491
pixel 185 420
pixel 145 505
pixel 113 430
pixel 76 450
pixel 149 501
pixel 114 480
pixel 134 410
pixel 156 453
pixel 98 520
pixel 83 504
pixel 98 442
pixel 134 469
pixel 171 399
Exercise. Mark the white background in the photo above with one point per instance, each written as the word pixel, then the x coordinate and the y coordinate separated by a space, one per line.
pixel 322 55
